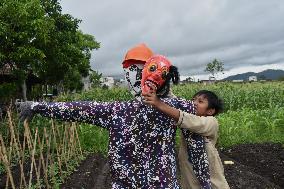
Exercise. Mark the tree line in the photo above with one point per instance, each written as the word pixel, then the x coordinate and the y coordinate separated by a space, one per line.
pixel 37 38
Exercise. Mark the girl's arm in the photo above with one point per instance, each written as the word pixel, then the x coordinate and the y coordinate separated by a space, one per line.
pixel 206 126
pixel 152 99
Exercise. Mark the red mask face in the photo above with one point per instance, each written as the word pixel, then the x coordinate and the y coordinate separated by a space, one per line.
pixel 154 73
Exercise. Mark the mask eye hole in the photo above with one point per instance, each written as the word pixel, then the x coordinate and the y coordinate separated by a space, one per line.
pixel 152 68
pixel 164 74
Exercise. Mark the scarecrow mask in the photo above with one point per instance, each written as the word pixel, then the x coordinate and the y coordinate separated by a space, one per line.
pixel 133 75
pixel 155 73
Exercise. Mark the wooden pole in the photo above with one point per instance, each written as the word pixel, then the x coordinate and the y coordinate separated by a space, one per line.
pixel 33 160
pixel 5 161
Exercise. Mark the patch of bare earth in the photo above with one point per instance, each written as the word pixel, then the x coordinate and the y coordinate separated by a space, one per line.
pixel 256 166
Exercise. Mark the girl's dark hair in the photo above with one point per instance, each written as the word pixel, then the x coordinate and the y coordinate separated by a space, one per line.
pixel 173 76
pixel 214 101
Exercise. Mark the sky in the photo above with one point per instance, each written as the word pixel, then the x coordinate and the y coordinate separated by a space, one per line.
pixel 244 35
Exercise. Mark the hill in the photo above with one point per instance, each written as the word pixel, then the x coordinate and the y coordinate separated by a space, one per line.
pixel 266 74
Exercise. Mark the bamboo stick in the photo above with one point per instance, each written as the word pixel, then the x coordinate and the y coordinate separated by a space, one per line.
pixel 64 145
pixel 23 179
pixel 31 145
pixel 5 161
pixel 77 137
pixel 42 161
pixel 57 153
pixel 33 160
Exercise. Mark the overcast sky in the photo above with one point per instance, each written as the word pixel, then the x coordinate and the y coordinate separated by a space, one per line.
pixel 244 35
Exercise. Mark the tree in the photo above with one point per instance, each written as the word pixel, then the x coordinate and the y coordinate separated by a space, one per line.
pixel 189 79
pixel 72 80
pixel 95 78
pixel 262 77
pixel 214 67
pixel 35 37
pixel 73 49
pixel 22 23
pixel 281 78
pixel 71 57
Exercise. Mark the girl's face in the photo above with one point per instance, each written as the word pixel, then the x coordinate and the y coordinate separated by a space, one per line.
pixel 201 103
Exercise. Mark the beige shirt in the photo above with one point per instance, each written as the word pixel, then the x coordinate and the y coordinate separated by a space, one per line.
pixel 206 126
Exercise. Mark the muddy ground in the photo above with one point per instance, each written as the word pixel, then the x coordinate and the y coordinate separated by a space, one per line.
pixel 259 166
pixel 256 166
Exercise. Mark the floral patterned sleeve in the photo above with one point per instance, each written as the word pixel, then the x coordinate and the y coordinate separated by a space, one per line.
pixel 97 113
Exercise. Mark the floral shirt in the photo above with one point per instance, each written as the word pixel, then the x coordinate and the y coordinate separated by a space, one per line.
pixel 141 139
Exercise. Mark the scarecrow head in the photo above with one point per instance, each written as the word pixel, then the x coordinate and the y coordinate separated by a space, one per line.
pixel 133 65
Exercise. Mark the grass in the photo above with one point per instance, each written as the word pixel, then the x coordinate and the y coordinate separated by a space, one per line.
pixel 251 126
pixel 254 112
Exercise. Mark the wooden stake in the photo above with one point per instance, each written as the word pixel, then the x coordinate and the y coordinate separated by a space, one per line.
pixel 42 161
pixel 77 137
pixel 23 179
pixel 33 160
pixel 64 145
pixel 5 161
pixel 57 153
pixel 22 162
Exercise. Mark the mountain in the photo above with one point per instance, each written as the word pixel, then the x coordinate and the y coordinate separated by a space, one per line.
pixel 266 74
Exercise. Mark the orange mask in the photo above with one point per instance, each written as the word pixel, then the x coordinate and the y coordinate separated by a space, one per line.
pixel 154 73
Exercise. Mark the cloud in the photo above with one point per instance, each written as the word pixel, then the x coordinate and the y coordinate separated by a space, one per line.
pixel 190 33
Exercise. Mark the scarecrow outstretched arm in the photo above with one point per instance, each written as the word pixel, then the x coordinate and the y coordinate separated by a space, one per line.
pixel 88 112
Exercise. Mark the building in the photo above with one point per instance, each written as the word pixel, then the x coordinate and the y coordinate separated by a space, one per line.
pixel 107 81
pixel 212 78
pixel 206 82
pixel 86 83
pixel 252 78
pixel 238 81
pixel 121 83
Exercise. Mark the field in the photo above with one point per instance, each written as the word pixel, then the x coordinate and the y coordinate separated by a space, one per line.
pixel 251 134
pixel 254 112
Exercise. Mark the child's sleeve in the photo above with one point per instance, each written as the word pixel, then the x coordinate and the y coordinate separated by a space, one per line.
pixel 205 126
pixel 99 114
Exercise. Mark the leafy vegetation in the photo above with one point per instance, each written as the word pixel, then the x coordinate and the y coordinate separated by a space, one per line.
pixel 37 38
pixel 253 112
pixel 237 96
pixel 251 126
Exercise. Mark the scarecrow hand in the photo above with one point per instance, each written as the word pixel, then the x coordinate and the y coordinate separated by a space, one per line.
pixel 25 110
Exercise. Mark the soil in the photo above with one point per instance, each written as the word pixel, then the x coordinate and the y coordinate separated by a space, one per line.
pixel 93 173
pixel 256 166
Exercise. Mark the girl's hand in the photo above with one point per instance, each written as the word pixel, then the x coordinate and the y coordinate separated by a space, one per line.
pixel 151 98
